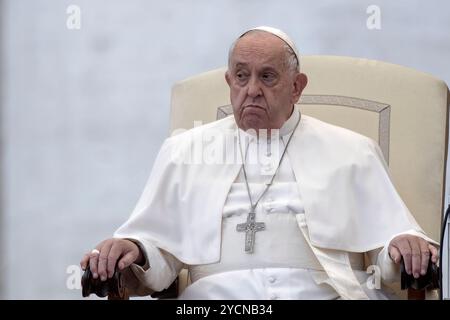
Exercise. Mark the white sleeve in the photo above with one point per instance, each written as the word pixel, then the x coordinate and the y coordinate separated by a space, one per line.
pixel 390 271
pixel 159 271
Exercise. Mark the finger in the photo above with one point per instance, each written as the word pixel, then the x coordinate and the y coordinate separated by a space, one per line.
pixel 415 257
pixel 405 251
pixel 114 254
pixel 425 256
pixel 127 260
pixel 84 262
pixel 93 263
pixel 395 254
pixel 434 253
pixel 103 260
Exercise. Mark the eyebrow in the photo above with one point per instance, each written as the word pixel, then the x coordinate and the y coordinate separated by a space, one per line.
pixel 264 68
pixel 241 64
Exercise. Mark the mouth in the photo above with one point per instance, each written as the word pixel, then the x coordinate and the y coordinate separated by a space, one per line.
pixel 252 108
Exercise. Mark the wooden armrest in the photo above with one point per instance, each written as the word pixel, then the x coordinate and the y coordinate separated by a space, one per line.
pixel 115 289
pixel 416 287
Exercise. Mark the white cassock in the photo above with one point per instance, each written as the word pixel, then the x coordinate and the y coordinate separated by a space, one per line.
pixel 331 201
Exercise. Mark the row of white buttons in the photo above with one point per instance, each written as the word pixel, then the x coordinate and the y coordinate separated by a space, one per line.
pixel 268 207
pixel 272 280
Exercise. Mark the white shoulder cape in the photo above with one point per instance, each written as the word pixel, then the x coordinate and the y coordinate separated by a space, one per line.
pixel 350 201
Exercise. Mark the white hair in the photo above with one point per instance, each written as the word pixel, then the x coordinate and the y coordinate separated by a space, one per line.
pixel 291 60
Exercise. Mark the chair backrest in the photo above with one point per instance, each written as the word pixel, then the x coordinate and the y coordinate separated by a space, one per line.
pixel 404 110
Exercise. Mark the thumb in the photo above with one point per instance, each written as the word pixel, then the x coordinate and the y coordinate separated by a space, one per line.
pixel 434 253
pixel 395 254
pixel 127 260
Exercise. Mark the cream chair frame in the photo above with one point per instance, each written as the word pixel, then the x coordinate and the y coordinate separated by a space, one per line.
pixel 404 110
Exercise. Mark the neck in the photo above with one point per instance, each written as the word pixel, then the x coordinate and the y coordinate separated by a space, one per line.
pixel 271 133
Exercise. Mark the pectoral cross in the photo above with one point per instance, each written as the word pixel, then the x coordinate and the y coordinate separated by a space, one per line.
pixel 250 228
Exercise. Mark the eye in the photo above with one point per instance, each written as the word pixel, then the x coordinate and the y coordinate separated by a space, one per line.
pixel 268 77
pixel 241 77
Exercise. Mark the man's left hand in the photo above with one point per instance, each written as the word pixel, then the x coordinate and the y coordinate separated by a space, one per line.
pixel 415 252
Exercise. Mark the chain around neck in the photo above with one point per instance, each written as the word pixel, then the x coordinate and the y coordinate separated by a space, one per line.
pixel 253 206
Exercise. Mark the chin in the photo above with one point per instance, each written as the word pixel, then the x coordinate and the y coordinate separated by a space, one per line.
pixel 254 123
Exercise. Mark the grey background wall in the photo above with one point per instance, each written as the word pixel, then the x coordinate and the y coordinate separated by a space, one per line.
pixel 83 112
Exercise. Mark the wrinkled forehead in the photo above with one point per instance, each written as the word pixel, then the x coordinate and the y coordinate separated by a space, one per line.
pixel 289 44
pixel 259 48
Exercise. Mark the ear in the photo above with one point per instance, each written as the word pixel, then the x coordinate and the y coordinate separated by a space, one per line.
pixel 227 77
pixel 301 80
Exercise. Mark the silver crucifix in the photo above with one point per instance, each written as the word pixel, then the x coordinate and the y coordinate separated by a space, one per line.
pixel 250 228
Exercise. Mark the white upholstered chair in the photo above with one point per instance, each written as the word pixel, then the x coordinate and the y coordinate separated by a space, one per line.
pixel 404 110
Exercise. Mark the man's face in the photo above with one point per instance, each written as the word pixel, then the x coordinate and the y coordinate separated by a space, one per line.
pixel 263 89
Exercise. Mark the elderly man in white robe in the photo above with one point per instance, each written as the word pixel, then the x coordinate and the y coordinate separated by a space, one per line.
pixel 294 226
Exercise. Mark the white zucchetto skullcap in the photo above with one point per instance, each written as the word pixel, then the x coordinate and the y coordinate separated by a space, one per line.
pixel 280 34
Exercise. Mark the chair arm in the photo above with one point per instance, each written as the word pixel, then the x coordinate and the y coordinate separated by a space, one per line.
pixel 416 287
pixel 115 289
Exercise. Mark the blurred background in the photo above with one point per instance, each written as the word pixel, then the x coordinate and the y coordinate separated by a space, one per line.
pixel 85 96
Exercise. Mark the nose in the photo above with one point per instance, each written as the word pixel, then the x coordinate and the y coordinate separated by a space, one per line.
pixel 254 87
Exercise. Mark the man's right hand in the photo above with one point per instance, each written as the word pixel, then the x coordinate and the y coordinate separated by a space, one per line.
pixel 102 263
